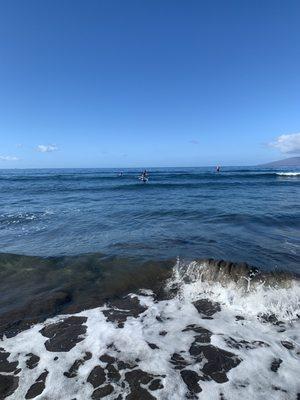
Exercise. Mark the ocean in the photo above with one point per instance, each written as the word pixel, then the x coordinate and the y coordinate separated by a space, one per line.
pixel 182 287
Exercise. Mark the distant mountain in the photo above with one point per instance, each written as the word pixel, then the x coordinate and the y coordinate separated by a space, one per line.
pixel 288 162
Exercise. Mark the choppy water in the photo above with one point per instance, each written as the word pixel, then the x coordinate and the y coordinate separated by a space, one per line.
pixel 240 214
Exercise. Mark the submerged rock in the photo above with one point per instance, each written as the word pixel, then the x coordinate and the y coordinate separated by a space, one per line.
pixel 33 361
pixel 191 379
pixel 38 387
pixel 207 308
pixel 97 376
pixel 275 364
pixel 102 392
pixel 64 335
pixel 8 384
pixel 123 308
pixel 5 365
pixel 77 363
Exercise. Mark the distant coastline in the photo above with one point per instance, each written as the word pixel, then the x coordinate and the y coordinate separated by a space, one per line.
pixel 288 162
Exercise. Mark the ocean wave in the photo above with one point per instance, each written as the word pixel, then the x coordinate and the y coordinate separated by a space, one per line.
pixel 154 176
pixel 288 173
pixel 220 331
pixel 247 290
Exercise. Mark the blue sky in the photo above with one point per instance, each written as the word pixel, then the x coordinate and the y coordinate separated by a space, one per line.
pixel 148 83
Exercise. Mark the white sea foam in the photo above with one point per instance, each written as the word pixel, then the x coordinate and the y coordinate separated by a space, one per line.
pixel 251 379
pixel 288 173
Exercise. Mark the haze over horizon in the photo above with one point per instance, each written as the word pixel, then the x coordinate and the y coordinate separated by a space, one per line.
pixel 131 84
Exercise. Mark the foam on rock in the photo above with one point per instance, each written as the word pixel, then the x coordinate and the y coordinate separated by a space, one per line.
pixel 189 345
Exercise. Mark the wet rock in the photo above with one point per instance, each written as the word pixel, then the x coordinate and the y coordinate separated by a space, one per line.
pixel 64 335
pixel 156 385
pixel 8 384
pixel 135 379
pixel 77 363
pixel 288 345
pixel 17 371
pixel 5 365
pixel 218 363
pixel 38 387
pixel 244 344
pixel 203 336
pixel 270 318
pixel 152 346
pixel 140 394
pixel 178 361
pixel 107 359
pixel 38 310
pixel 123 365
pixel 113 373
pixel 278 388
pixel 96 376
pixel 275 364
pixel 33 360
pixel 102 392
pixel 239 318
pixel 191 379
pixel 163 333
pixel 123 308
pixel 206 307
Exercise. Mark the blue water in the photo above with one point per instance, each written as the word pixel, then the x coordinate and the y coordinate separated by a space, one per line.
pixel 240 214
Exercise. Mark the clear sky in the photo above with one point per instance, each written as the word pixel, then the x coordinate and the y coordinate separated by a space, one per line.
pixel 111 83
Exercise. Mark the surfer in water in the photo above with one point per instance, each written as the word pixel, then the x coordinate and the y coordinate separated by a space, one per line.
pixel 218 168
pixel 144 176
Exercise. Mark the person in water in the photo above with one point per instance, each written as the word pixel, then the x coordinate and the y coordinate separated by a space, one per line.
pixel 218 169
pixel 144 175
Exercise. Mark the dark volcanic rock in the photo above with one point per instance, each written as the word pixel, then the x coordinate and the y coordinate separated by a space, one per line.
pixel 191 379
pixel 152 346
pixel 102 392
pixel 163 333
pixel 123 365
pixel 135 379
pixel 5 365
pixel 113 373
pixel 140 394
pixel 8 384
pixel 123 308
pixel 39 310
pixel 203 336
pixel 96 376
pixel 64 335
pixel 244 344
pixel 33 361
pixel 156 385
pixel 206 307
pixel 276 364
pixel 270 318
pixel 218 363
pixel 287 345
pixel 107 359
pixel 38 387
pixel 178 361
pixel 77 363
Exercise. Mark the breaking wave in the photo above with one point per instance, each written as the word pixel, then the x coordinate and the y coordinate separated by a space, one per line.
pixel 288 173
pixel 216 330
